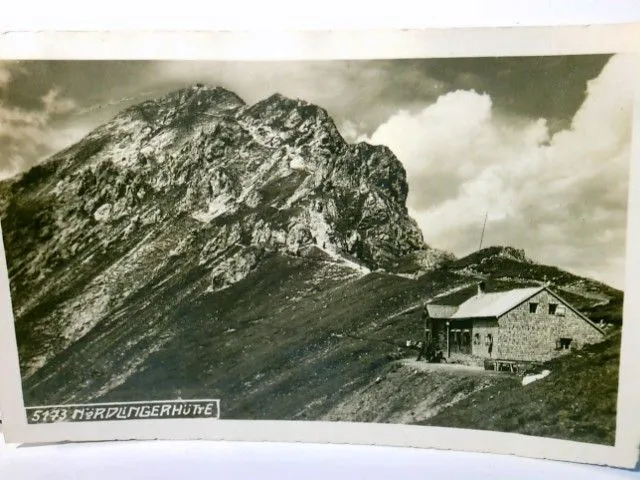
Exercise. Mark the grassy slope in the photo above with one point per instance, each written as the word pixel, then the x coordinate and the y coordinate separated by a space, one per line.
pixel 286 358
pixel 576 401
pixel 409 392
pixel 305 339
pixel 295 332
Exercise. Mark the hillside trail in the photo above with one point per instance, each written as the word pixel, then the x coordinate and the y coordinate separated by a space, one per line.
pixel 410 392
pixel 423 366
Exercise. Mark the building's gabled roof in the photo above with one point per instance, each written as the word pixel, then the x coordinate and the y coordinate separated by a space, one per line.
pixel 487 304
pixel 496 304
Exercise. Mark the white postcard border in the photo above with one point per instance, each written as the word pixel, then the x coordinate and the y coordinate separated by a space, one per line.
pixel 472 42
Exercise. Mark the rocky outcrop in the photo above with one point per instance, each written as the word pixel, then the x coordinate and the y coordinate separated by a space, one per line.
pixel 278 170
pixel 198 177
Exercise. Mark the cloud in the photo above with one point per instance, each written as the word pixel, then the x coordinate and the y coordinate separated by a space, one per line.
pixel 351 131
pixel 562 197
pixel 54 104
pixel 27 136
pixel 18 125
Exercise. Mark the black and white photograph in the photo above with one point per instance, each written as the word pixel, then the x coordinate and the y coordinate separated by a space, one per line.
pixel 435 242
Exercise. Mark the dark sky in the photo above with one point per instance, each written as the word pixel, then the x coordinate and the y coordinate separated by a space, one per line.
pixel 527 140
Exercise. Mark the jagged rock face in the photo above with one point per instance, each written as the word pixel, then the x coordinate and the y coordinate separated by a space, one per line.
pixel 199 175
pixel 516 254
pixel 278 170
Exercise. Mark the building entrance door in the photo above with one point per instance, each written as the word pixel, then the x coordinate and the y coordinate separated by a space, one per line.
pixel 460 338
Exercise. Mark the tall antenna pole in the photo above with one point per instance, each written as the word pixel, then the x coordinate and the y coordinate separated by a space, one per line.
pixel 483 227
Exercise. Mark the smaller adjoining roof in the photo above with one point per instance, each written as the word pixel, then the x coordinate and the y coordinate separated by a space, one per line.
pixel 441 311
pixel 492 304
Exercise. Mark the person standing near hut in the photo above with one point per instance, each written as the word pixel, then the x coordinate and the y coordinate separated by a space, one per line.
pixel 427 350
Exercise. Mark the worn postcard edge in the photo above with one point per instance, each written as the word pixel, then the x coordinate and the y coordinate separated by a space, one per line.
pixel 470 42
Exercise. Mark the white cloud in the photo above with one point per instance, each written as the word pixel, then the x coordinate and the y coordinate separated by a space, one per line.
pixel 351 131
pixel 562 198
pixel 54 104
pixel 30 135
pixel 62 137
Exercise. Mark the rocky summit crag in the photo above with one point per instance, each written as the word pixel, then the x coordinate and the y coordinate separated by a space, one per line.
pixel 195 178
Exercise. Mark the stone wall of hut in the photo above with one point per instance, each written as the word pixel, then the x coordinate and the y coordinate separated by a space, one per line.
pixel 540 336
pixel 484 337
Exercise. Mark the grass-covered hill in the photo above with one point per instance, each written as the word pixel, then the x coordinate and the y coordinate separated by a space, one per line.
pixel 507 267
pixel 300 338
pixel 576 401
pixel 285 342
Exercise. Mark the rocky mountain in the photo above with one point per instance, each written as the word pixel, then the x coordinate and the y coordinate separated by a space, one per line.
pixel 196 246
pixel 200 176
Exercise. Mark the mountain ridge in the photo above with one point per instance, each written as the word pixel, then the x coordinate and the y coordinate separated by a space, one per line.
pixel 237 182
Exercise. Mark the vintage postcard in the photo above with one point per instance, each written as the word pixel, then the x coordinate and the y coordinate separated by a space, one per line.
pixel 417 238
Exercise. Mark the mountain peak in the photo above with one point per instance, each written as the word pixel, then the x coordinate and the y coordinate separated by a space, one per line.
pixel 202 89
pixel 504 251
pixel 276 176
pixel 187 106
pixel 279 105
pixel 279 97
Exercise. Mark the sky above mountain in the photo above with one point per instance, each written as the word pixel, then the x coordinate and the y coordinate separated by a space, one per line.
pixel 540 145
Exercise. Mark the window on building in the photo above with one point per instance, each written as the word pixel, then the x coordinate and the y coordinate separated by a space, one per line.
pixel 476 339
pixel 552 308
pixel 533 307
pixel 565 343
pixel 465 339
pixel 561 311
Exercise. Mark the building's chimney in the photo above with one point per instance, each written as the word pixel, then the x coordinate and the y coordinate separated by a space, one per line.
pixel 481 288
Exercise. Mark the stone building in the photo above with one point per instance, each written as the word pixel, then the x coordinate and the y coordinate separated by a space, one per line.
pixel 521 325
